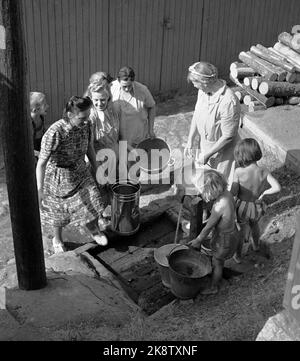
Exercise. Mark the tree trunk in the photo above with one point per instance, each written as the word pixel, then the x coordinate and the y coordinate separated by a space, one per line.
pixel 239 92
pixel 281 73
pixel 255 82
pixel 285 58
pixel 293 100
pixel 247 81
pixel 258 66
pixel 263 53
pixel 240 70
pixel 18 150
pixel 291 77
pixel 279 89
pixel 279 101
pixel 296 42
pixel 248 99
pixel 267 102
pixel 287 52
pixel 286 39
pixel 254 107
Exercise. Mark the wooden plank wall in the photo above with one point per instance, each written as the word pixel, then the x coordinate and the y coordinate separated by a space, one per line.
pixel 231 26
pixel 68 40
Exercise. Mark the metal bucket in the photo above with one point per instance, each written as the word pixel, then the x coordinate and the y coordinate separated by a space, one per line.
pixel 125 209
pixel 158 144
pixel 161 256
pixel 187 270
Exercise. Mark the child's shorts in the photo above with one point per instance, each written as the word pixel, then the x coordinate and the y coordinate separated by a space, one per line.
pixel 249 211
pixel 224 245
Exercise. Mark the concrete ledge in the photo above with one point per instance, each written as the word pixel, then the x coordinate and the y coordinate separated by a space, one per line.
pixel 278 129
pixel 281 327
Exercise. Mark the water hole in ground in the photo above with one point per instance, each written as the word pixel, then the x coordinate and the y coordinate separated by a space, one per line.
pixel 138 271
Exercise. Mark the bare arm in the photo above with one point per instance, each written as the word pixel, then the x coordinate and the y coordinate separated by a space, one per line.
pixel 211 223
pixel 235 184
pixel 192 133
pixel 218 146
pixel 40 176
pixel 275 186
pixel 151 117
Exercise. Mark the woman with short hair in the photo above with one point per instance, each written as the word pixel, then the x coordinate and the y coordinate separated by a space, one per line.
pixel 137 107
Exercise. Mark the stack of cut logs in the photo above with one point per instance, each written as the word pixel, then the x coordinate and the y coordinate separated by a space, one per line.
pixel 266 77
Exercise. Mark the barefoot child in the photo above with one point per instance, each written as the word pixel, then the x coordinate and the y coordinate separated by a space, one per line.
pixel 250 184
pixel 38 110
pixel 67 190
pixel 213 188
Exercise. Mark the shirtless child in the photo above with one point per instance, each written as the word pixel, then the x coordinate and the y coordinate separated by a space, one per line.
pixel 250 184
pixel 225 236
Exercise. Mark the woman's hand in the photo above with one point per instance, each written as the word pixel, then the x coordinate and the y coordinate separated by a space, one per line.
pixel 202 159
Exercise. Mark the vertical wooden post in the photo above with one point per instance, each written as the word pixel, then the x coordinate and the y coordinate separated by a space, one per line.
pixel 18 150
pixel 196 217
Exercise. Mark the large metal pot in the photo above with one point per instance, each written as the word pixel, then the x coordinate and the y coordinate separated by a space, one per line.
pixel 155 166
pixel 188 269
pixel 161 257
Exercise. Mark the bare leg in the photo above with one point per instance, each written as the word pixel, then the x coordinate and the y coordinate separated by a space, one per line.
pixel 259 244
pixel 255 235
pixel 242 236
pixel 97 235
pixel 57 241
pixel 216 277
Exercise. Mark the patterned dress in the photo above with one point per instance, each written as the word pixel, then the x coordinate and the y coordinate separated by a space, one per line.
pixel 71 194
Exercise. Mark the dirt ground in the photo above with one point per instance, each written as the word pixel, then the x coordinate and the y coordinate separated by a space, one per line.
pixel 238 312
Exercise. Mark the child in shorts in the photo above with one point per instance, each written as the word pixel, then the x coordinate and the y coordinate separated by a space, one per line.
pixel 222 222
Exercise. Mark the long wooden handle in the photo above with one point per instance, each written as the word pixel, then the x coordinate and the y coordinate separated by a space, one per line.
pixel 178 222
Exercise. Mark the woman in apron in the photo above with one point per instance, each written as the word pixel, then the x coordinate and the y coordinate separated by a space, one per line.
pixel 137 110
pixel 216 120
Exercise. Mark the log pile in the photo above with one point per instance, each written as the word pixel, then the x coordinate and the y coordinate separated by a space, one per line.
pixel 269 76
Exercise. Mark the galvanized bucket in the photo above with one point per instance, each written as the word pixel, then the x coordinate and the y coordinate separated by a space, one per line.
pixel 125 209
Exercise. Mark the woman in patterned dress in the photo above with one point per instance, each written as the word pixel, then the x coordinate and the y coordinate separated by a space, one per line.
pixel 66 188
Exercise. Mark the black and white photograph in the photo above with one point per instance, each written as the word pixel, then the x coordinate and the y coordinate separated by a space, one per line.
pixel 149 174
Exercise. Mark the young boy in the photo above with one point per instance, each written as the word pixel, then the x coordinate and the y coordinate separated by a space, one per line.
pixel 38 110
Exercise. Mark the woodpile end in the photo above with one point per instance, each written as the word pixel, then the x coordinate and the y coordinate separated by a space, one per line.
pixel 269 76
